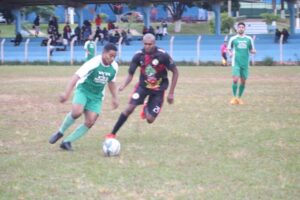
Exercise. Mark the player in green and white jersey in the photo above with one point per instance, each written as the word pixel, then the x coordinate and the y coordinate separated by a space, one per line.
pixel 239 48
pixel 90 80
pixel 90 48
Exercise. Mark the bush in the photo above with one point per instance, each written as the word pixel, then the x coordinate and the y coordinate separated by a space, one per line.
pixel 269 17
pixel 268 61
pixel 226 24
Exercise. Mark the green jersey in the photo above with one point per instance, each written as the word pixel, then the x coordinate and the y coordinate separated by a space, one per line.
pixel 94 75
pixel 89 46
pixel 241 46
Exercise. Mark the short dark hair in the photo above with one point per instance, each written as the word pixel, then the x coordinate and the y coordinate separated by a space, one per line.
pixel 110 46
pixel 241 23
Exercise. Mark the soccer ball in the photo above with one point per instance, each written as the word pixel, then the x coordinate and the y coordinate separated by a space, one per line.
pixel 111 147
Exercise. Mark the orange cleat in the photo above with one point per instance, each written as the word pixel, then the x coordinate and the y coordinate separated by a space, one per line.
pixel 110 135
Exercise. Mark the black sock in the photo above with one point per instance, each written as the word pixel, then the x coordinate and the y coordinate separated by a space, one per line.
pixel 122 119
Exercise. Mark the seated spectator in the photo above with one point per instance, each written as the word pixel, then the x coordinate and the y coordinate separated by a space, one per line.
pixel 111 26
pixel 18 39
pixel 277 35
pixel 285 35
pixel 99 35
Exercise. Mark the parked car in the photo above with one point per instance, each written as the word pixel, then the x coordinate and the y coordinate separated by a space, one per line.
pixel 2 19
pixel 136 15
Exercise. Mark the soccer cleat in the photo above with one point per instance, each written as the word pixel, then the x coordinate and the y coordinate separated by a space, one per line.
pixel 234 101
pixel 240 101
pixel 142 113
pixel 66 146
pixel 56 136
pixel 110 135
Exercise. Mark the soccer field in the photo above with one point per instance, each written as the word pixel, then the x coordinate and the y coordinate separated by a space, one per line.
pixel 201 147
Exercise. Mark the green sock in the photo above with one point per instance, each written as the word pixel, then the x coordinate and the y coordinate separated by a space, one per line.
pixel 68 121
pixel 241 90
pixel 78 133
pixel 234 88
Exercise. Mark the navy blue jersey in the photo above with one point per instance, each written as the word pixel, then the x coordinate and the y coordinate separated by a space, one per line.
pixel 153 69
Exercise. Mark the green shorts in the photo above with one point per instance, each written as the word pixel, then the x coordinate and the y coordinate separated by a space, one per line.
pixel 240 71
pixel 91 104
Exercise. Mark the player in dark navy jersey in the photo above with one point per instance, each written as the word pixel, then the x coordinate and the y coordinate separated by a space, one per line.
pixel 153 82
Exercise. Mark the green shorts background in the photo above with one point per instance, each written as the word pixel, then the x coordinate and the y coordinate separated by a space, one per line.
pixel 91 104
pixel 240 71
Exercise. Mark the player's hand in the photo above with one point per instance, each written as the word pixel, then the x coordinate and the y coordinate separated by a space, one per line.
pixel 115 104
pixel 121 88
pixel 170 98
pixel 63 98
pixel 253 51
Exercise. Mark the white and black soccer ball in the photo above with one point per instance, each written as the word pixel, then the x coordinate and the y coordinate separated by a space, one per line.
pixel 111 147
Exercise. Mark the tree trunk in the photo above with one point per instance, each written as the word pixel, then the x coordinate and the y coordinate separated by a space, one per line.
pixel 177 27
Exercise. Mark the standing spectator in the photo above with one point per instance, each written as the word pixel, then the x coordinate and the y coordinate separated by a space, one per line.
pixel 89 47
pixel 67 32
pixel 36 24
pixel 98 21
pixel 239 48
pixel 277 35
pixel 158 33
pixel 165 28
pixel 18 39
pixel 111 26
pixel 224 53
pixel 285 35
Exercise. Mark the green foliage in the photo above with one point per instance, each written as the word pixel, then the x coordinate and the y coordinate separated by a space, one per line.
pixel 269 17
pixel 45 12
pixel 227 23
pixel 267 61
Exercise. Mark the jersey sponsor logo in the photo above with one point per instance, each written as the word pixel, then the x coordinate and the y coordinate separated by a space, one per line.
pixel 155 62
pixel 135 96
pixel 102 77
pixel 242 44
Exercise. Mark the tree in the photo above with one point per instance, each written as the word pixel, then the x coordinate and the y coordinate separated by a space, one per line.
pixel 176 9
pixel 117 9
pixel 44 11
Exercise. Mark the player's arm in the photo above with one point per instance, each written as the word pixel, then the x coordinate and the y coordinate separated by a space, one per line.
pixel 252 48
pixel 229 48
pixel 133 65
pixel 113 90
pixel 126 82
pixel 65 96
pixel 175 75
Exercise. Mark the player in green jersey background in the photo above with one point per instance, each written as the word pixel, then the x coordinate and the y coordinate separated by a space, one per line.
pixel 90 81
pixel 90 48
pixel 239 48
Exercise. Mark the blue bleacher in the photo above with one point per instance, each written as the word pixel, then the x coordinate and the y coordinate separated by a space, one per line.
pixel 184 49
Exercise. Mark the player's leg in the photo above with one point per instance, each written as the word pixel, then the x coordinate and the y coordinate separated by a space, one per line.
pixel 244 76
pixel 69 119
pixel 234 87
pixel 92 109
pixel 137 98
pixel 154 106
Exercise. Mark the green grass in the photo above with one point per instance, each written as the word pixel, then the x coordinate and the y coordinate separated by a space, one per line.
pixel 199 148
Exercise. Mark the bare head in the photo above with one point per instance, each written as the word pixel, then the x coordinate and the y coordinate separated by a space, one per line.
pixel 149 42
pixel 241 28
pixel 109 53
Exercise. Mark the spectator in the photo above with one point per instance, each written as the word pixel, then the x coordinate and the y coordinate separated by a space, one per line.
pixel 285 35
pixel 98 21
pixel 67 32
pixel 145 30
pixel 125 38
pixel 98 35
pixel 224 53
pixel 277 35
pixel 36 25
pixel 111 26
pixel 18 39
pixel 158 33
pixel 77 34
pixel 165 28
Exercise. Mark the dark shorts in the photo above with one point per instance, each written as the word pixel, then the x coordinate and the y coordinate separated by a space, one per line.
pixel 155 99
